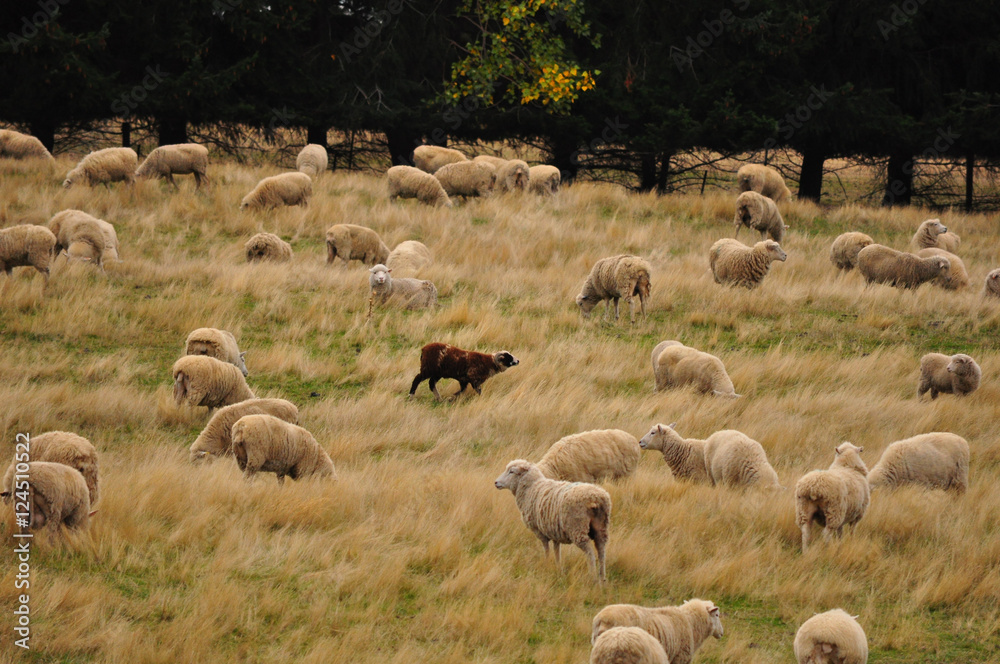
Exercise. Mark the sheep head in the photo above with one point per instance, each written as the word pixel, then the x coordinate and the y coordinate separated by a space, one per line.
pixel 505 360
pixel 960 364
pixel 514 473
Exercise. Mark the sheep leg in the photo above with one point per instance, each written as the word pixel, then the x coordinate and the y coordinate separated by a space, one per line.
pixel 601 544
pixel 591 558
pixel 170 178
pixel 416 382
pixel 433 385
pixel 806 527
pixel 555 547
pixel 631 308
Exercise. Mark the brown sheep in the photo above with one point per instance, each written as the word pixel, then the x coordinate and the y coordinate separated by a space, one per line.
pixel 468 367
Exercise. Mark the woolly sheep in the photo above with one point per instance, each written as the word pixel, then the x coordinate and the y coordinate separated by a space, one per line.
pixel 957 277
pixel 726 457
pixel 76 227
pixel 409 256
pixel 312 160
pixel 940 374
pixel 27 246
pixel 736 264
pixel 68 449
pixel 835 497
pixel 627 645
pixel 409 182
pixel 411 293
pixel 844 250
pixel 267 247
pixel 167 161
pixel 758 212
pixel 544 179
pixel 277 190
pixel 834 637
pixel 591 456
pixel 937 460
pixel 351 242
pixel 512 175
pixel 438 360
pixel 612 279
pixel 104 166
pixel 264 443
pixel 15 145
pixel 467 178
pixel 220 344
pixel 560 512
pixel 56 495
pixel 932 233
pixel 676 365
pixel 882 265
pixel 764 180
pixel 83 249
pixel 430 158
pixel 679 629
pixel 495 162
pixel 992 286
pixel 201 380
pixel 216 439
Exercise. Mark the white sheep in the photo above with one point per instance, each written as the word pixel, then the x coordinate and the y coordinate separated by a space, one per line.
pixel 932 233
pixel 679 629
pixel 277 190
pixel 844 250
pixel 410 182
pixel 940 374
pixel 83 249
pixel 591 456
pixel 201 380
pixel 56 495
pixel 834 637
pixel 76 227
pixel 467 178
pixel 495 162
pixel 560 512
pixel 735 264
pixel 104 166
pixel 627 645
pixel 267 247
pixel 879 264
pixel 15 145
pixel 544 179
pixel 758 212
pixel 764 180
pixel 264 443
pixel 410 293
pixel 677 365
pixel 512 176
pixel 937 460
pixel 27 246
pixel 409 256
pixel 216 439
pixel 992 286
pixel 220 344
pixel 430 158
pixel 957 277
pixel 167 161
pixel 835 497
pixel 615 278
pixel 312 160
pixel 351 242
pixel 68 449
pixel 726 457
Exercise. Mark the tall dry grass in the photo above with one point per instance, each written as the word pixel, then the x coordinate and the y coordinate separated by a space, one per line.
pixel 413 555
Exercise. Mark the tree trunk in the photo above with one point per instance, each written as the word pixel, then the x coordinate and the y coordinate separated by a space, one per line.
pixel 172 131
pixel 647 171
pixel 565 156
pixel 970 171
pixel 45 131
pixel 811 175
pixel 663 177
pixel 316 134
pixel 401 143
pixel 126 134
pixel 899 182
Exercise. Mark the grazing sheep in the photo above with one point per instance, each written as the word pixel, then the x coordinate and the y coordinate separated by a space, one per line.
pixel 83 249
pixel 726 457
pixel 627 645
pixel 409 182
pixel 27 246
pixel 958 375
pixel 758 212
pixel 957 277
pixel 267 247
pixel 560 512
pixel 676 365
pixel 512 175
pixel 167 161
pixel 844 250
pixel 312 160
pixel 104 166
pixel 57 495
pixel 992 286
pixel 834 637
pixel 937 460
pixel 277 190
pixel 216 439
pixel 932 233
pixel 351 242
pixel 612 279
pixel 430 158
pixel 592 456
pixel 15 145
pixel 264 443
pixel 205 381
pixel 736 264
pixel 411 293
pixel 495 162
pixel 544 179
pixel 679 629
pixel 77 227
pixel 835 497
pixel 220 344
pixel 409 256
pixel 467 178
pixel 68 449
pixel 468 367
pixel 764 180
pixel 882 265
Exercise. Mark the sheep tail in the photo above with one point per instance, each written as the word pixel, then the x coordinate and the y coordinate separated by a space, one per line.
pixel 182 384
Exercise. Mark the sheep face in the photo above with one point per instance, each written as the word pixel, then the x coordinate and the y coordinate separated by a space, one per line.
pixel 380 274
pixel 587 303
pixel 943 266
pixel 505 360
pixel 937 228
pixel 775 250
pixel 656 438
pixel 715 619
pixel 511 476
pixel 960 364
pixel 243 365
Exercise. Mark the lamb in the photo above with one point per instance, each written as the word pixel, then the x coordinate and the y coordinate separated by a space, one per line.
pixel 835 497
pixel 468 367
pixel 726 457
pixel 932 233
pixel 834 637
pixel 430 158
pixel 676 365
pixel 992 286
pixel 411 293
pixel 312 160
pixel 512 175
pixel 205 381
pixel 544 179
pixel 759 212
pixel 68 449
pixel 409 256
pixel 882 265
pixel 680 629
pixel 28 246
pixel 267 247
pixel 958 276
pixel 167 161
pixel 104 166
pixel 736 264
pixel 351 242
pixel 560 512
pixel 76 227
pixel 940 374
pixel 264 443
pixel 277 190
pixel 844 250
pixel 764 180
pixel 615 278
pixel 220 344
pixel 627 645
pixel 15 145
pixel 467 178
pixel 56 495
pixel 592 456
pixel 83 248
pixel 409 182
pixel 937 460
pixel 216 439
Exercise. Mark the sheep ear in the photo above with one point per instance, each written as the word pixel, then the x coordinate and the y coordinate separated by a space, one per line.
pixel 672 425
pixel 92 513
pixel 856 617
pixel 714 610
pixel 861 449
pixel 243 355
pixel 837 449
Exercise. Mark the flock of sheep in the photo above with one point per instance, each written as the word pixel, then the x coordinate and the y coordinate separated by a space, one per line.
pixel 558 497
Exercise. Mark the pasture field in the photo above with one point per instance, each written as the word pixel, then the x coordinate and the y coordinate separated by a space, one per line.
pixel 413 555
